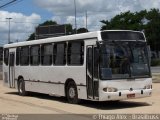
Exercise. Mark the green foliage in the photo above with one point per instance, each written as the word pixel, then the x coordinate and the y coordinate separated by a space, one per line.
pixel 148 21
pixel 82 30
pixel 69 29
pixel 155 62
pixel 31 37
pixel 48 22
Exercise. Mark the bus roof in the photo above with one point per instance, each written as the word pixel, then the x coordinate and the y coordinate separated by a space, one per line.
pixel 82 36
pixel 88 35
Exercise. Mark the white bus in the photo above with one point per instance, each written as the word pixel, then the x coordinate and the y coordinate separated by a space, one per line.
pixel 100 66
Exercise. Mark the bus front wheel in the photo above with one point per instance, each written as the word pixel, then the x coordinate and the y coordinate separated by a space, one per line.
pixel 72 94
pixel 21 87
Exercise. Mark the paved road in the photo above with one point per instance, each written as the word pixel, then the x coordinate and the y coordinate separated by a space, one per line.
pixel 10 102
pixel 155 69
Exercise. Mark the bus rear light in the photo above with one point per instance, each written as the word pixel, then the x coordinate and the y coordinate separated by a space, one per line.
pixel 110 89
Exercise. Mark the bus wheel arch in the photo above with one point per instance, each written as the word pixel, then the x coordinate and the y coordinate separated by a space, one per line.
pixel 71 91
pixel 21 86
pixel 19 78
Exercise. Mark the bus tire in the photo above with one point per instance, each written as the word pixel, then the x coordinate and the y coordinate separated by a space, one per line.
pixel 21 87
pixel 72 94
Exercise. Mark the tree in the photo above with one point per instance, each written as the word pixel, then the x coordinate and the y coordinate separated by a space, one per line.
pixel 148 21
pixel 69 29
pixel 152 29
pixel 31 37
pixel 48 22
pixel 82 30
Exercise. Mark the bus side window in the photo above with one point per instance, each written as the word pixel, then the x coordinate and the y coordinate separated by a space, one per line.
pixel 6 56
pixel 24 56
pixel 17 56
pixel 75 53
pixel 46 54
pixel 59 53
pixel 35 55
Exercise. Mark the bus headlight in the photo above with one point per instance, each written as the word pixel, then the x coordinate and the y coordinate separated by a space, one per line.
pixel 110 89
pixel 148 87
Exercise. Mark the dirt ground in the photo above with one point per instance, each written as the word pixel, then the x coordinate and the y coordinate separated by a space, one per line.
pixel 156 77
pixel 11 102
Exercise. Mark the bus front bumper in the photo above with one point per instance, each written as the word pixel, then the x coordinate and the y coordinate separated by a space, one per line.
pixel 124 94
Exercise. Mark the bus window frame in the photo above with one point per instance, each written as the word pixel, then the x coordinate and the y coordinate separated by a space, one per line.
pixel 28 63
pixel 6 59
pixel 81 54
pixel 42 55
pixel 39 55
pixel 55 53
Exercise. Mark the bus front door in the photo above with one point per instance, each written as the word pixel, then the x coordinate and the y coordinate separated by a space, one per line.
pixel 92 73
pixel 11 69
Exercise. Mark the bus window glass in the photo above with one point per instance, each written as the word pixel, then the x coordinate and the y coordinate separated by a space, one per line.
pixel 6 56
pixel 24 56
pixel 96 61
pixel 122 35
pixel 46 54
pixel 124 60
pixel 114 62
pixel 34 55
pixel 17 56
pixel 60 54
pixel 75 53
pixel 90 60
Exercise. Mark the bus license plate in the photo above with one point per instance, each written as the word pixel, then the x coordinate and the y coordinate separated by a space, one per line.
pixel 131 96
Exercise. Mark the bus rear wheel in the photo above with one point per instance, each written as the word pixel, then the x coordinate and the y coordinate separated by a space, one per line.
pixel 21 87
pixel 72 94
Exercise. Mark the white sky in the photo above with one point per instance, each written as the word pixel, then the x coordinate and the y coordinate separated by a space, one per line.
pixel 63 12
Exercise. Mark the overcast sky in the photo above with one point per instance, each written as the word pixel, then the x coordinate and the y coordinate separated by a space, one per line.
pixel 29 13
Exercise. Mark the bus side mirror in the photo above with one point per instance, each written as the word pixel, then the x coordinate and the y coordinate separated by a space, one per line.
pixel 149 53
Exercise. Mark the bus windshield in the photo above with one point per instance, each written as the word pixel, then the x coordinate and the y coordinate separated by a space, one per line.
pixel 120 60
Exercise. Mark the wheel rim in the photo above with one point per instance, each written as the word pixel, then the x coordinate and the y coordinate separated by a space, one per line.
pixel 72 92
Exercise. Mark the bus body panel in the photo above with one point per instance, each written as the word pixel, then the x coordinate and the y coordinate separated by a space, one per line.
pixel 115 96
pixel 125 87
pixel 55 75
pixel 51 79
